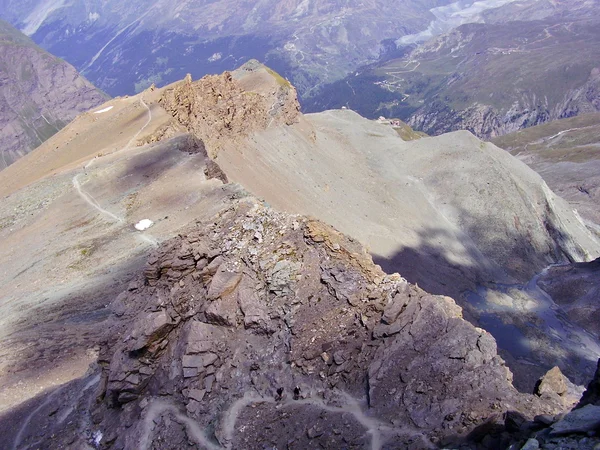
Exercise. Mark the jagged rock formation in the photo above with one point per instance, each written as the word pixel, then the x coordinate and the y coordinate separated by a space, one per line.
pixel 39 94
pixel 271 329
pixel 238 117
pixel 221 107
pixel 473 214
pixel 254 327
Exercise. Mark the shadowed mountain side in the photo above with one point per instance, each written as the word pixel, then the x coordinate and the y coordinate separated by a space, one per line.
pixel 39 94
pixel 61 332
pixel 70 400
pixel 68 234
pixel 576 288
pixel 229 330
pixel 534 332
pixel 361 177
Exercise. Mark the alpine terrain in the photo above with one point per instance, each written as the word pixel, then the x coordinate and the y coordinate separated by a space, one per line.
pixel 528 63
pixel 203 266
pixel 124 47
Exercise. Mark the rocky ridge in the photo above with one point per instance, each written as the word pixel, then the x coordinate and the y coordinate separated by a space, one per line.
pixel 492 221
pixel 255 323
pixel 259 328
pixel 256 327
pixel 220 107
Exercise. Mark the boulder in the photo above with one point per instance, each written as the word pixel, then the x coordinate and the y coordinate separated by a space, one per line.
pixel 582 420
pixel 592 394
pixel 553 383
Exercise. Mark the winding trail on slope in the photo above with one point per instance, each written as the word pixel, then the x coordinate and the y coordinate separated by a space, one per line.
pixel 560 133
pixel 159 407
pixel 349 405
pixel 92 201
pixel 86 196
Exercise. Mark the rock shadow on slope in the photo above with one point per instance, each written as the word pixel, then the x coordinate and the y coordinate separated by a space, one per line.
pixel 497 287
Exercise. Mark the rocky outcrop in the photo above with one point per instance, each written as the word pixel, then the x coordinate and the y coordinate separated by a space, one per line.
pixel 261 328
pixel 218 108
pixel 39 94
pixel 592 394
pixel 489 121
pixel 557 387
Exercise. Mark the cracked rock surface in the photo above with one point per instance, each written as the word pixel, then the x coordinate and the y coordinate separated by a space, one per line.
pixel 262 328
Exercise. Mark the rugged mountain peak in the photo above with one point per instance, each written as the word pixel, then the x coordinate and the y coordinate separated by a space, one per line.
pixel 270 328
pixel 232 105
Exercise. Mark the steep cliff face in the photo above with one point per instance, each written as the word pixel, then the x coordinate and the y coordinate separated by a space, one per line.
pixel 39 94
pixel 259 328
pixel 450 213
pixel 489 120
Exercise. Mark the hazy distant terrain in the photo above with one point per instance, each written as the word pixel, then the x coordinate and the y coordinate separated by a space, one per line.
pixel 125 46
pixel 490 78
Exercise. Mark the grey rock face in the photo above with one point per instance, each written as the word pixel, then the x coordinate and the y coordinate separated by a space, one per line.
pixel 592 394
pixel 581 420
pixel 297 340
pixel 39 94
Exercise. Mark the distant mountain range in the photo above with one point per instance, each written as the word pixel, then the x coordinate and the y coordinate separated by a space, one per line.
pixel 123 47
pixel 532 62
pixel 39 94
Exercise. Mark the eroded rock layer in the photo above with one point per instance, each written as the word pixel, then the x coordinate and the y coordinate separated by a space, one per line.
pixel 221 107
pixel 262 328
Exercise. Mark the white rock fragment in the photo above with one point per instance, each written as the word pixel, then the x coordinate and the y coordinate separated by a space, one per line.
pixel 143 224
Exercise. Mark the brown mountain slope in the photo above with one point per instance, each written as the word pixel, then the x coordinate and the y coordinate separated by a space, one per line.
pixel 39 94
pixel 258 328
pixel 457 216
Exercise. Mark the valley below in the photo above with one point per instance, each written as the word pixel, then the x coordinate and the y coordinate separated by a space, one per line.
pixel 493 77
